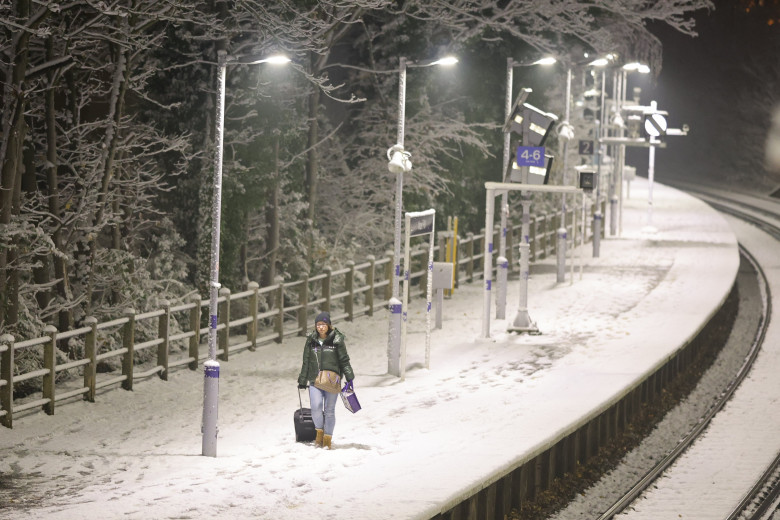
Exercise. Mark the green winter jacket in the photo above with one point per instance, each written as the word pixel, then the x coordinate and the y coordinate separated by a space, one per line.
pixel 331 355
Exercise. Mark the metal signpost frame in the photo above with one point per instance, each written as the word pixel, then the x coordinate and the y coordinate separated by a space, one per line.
pixel 417 224
pixel 655 127
pixel 499 188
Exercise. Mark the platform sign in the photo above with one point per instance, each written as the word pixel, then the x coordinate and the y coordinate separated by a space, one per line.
pixel 655 125
pixel 530 156
pixel 420 223
pixel 586 147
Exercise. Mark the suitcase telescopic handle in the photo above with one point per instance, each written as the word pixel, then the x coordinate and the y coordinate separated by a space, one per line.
pixel 299 400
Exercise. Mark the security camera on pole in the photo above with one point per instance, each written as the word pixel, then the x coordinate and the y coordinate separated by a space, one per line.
pixel 400 163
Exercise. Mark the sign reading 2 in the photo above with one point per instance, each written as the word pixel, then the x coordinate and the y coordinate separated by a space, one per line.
pixel 586 148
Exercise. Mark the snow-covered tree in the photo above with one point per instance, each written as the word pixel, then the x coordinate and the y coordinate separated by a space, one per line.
pixel 108 132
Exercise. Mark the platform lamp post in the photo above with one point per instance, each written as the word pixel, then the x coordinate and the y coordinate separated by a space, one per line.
pixel 534 125
pixel 502 262
pixel 625 70
pixel 211 366
pixel 400 163
pixel 600 128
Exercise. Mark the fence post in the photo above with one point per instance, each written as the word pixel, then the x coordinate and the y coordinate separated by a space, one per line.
pixel 349 305
pixel 223 337
pixel 90 352
pixel 326 288
pixel 163 333
pixel 370 282
pixel 280 308
pixel 470 254
pixel 389 275
pixel 128 342
pixel 50 364
pixel 303 312
pixel 194 351
pixel 251 330
pixel 7 377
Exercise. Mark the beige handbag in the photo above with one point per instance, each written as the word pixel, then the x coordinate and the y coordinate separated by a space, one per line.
pixel 329 381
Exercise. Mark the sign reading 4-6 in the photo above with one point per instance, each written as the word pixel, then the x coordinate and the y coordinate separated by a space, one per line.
pixel 530 156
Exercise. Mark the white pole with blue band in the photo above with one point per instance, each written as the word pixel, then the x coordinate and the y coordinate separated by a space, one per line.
pixel 211 367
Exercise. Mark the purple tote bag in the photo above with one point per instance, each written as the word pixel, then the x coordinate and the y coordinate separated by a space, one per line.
pixel 349 398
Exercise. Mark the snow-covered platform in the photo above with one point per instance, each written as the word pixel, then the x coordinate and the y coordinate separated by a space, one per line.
pixel 419 446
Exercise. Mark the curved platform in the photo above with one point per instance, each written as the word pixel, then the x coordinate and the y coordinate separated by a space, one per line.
pixel 420 447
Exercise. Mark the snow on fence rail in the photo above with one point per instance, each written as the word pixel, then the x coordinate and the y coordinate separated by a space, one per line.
pixel 347 293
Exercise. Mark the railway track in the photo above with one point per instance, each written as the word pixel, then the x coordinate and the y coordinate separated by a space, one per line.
pixel 763 497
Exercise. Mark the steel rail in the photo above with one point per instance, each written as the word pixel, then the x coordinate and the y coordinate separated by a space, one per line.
pixel 654 473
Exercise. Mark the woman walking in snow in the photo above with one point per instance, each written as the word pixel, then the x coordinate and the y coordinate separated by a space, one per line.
pixel 325 349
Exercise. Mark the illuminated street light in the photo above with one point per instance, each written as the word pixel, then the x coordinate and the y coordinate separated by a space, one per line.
pixel 549 60
pixel 400 163
pixel 211 366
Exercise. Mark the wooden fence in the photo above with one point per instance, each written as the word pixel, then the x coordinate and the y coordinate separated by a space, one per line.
pixel 247 319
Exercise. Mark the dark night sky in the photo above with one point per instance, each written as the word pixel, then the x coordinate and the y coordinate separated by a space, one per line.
pixel 712 83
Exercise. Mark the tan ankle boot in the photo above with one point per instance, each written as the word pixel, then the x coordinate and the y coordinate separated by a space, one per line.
pixel 318 439
pixel 326 441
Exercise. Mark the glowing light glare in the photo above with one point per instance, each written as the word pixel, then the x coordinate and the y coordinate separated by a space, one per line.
pixel 545 61
pixel 446 61
pixel 278 59
pixel 601 62
pixel 636 66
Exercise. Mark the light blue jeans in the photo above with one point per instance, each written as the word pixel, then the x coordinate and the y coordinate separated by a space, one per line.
pixel 323 409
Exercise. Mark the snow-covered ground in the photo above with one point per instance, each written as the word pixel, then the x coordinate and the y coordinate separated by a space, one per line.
pixel 483 406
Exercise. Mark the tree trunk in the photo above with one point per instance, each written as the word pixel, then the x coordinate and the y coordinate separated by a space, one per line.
pixel 10 156
pixel 312 166
pixel 272 217
pixel 116 109
pixel 62 287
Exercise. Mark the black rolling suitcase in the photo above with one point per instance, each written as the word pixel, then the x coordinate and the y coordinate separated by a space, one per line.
pixel 304 426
